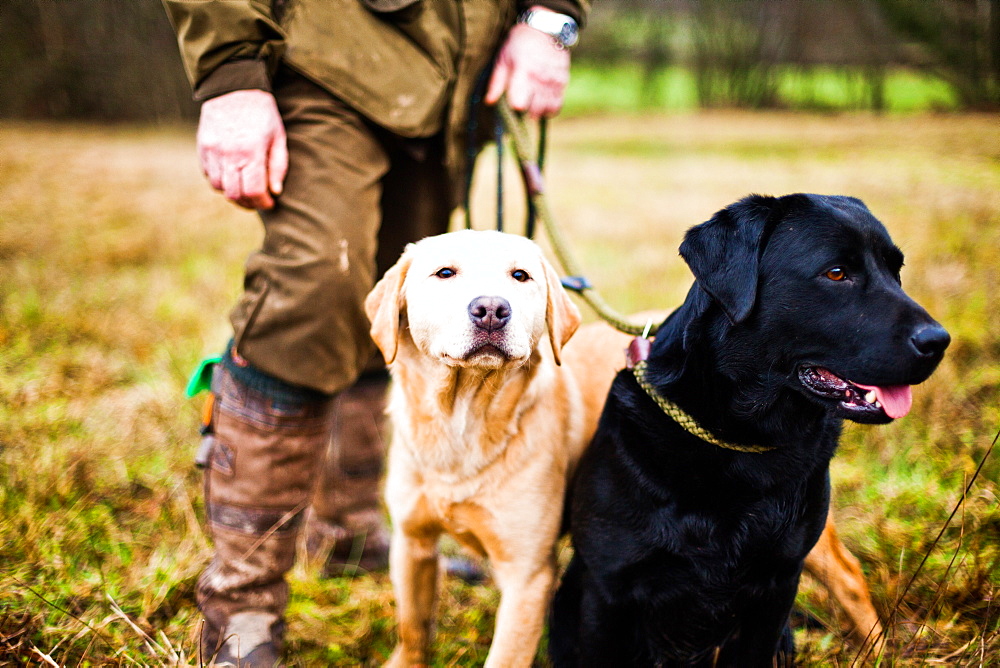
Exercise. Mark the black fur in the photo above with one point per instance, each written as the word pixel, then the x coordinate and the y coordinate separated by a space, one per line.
pixel 688 553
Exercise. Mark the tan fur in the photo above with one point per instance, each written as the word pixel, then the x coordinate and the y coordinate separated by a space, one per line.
pixel 840 572
pixel 483 445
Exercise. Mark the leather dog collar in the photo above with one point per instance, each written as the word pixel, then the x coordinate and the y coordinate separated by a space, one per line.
pixel 689 424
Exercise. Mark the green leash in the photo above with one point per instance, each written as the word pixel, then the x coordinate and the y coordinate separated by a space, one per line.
pixel 688 423
pixel 534 185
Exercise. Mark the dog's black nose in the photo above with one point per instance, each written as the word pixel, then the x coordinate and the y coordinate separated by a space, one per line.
pixel 489 313
pixel 930 339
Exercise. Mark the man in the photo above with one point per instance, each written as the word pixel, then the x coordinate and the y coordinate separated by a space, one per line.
pixel 344 123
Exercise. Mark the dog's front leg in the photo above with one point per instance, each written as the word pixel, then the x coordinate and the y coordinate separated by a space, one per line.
pixel 764 639
pixel 413 568
pixel 525 590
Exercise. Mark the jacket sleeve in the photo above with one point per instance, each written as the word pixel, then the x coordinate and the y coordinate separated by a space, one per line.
pixel 226 45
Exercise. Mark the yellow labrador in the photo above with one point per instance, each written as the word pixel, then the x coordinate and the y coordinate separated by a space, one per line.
pixel 488 426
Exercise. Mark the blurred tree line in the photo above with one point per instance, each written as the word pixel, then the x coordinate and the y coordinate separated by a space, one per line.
pixel 737 49
pixel 111 60
pixel 117 59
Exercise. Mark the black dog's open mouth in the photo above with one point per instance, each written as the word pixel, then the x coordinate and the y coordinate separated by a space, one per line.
pixel 857 400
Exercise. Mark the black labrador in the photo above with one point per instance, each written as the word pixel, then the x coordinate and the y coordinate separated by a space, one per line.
pixel 707 481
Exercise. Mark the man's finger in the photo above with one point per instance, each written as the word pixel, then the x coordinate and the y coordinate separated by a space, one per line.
pixel 498 81
pixel 254 184
pixel 212 169
pixel 538 107
pixel 232 182
pixel 549 105
pixel 247 203
pixel 520 91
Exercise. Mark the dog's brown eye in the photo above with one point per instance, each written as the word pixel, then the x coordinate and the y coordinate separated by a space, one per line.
pixel 445 272
pixel 836 274
pixel 520 275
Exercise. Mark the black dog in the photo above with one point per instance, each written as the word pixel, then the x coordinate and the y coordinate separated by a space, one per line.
pixel 690 539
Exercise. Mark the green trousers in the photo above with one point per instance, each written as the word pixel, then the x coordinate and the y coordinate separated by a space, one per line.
pixel 354 196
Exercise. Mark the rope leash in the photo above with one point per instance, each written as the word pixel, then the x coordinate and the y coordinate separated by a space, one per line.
pixel 688 423
pixel 538 210
pixel 534 187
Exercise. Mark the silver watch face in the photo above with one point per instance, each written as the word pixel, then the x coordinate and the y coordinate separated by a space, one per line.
pixel 569 34
pixel 560 27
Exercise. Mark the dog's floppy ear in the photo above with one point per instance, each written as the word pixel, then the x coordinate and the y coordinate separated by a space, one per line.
pixel 562 317
pixel 384 307
pixel 724 253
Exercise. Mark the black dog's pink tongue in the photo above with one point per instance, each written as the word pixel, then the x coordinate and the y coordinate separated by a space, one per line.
pixel 896 400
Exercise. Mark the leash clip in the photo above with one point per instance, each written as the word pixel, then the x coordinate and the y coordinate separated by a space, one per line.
pixel 638 348
pixel 576 283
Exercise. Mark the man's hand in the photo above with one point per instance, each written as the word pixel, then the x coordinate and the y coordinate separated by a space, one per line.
pixel 532 70
pixel 242 147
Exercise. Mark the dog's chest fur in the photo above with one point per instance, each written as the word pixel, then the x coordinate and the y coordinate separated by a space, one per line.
pixel 460 447
pixel 462 421
pixel 456 424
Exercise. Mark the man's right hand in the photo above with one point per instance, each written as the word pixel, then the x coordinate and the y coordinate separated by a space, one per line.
pixel 242 147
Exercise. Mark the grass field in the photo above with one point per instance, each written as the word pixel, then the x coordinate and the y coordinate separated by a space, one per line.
pixel 118 266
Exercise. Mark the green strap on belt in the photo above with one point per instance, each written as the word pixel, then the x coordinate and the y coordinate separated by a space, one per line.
pixel 201 379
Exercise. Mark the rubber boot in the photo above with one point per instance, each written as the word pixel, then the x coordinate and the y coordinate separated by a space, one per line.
pixel 265 441
pixel 346 529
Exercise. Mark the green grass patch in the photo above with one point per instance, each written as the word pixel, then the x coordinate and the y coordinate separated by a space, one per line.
pixel 628 88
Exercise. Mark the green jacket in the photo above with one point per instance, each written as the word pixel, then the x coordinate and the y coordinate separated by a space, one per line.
pixel 408 65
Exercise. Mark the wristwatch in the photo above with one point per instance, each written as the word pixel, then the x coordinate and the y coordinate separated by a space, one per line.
pixel 561 28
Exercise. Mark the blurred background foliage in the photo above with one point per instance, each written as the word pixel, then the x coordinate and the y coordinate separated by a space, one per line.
pixel 116 60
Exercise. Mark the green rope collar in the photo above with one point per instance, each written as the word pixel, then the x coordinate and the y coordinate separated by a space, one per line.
pixel 688 423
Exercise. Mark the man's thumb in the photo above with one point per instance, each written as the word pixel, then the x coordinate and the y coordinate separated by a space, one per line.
pixel 277 164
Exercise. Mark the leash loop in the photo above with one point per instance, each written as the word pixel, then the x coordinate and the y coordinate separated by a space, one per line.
pixel 498 140
pixel 534 181
pixel 535 188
